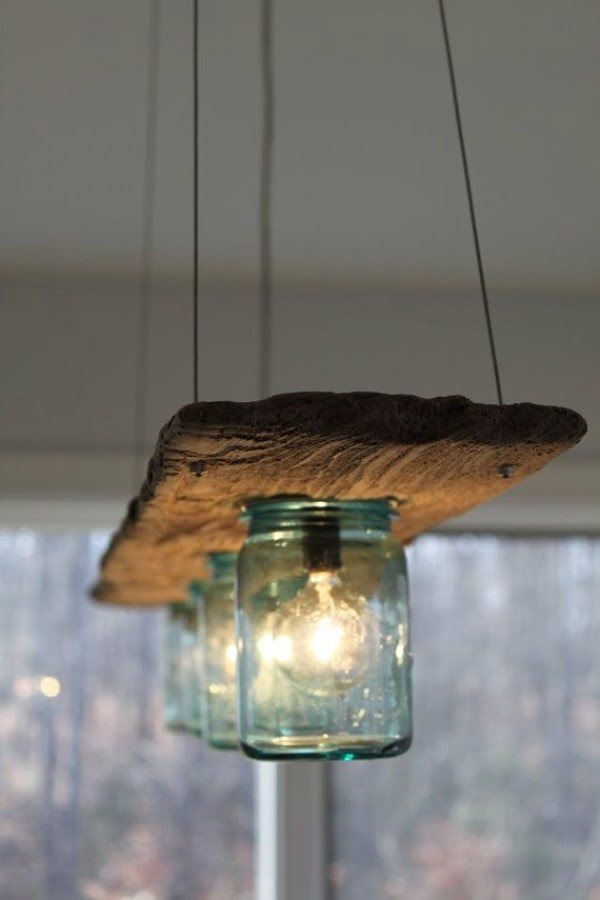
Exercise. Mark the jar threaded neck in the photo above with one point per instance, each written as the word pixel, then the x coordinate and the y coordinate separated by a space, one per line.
pixel 291 513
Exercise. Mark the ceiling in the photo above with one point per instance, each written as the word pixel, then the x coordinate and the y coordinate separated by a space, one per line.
pixel 368 184
pixel 375 279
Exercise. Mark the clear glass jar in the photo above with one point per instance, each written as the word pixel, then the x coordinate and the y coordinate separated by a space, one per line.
pixel 323 632
pixel 217 629
pixel 183 666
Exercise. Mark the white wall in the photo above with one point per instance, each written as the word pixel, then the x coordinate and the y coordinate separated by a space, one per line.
pixel 67 385
pixel 375 284
pixel 68 353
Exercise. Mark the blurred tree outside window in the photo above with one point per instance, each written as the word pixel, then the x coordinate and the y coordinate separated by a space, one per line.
pixel 499 797
pixel 97 801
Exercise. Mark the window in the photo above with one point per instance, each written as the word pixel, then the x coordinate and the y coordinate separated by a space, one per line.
pixel 499 797
pixel 100 802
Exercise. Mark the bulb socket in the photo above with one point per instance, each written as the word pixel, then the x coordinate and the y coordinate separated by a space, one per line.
pixel 322 546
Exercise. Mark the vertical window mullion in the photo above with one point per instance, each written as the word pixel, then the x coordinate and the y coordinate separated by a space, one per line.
pixel 292 832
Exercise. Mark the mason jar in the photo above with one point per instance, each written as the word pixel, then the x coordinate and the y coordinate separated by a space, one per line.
pixel 324 662
pixel 217 630
pixel 183 666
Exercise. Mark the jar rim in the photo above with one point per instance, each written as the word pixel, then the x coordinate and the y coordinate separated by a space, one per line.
pixel 221 564
pixel 304 505
pixel 178 606
pixel 195 590
pixel 222 557
pixel 185 606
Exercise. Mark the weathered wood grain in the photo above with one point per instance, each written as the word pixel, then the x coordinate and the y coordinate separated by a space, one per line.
pixel 439 457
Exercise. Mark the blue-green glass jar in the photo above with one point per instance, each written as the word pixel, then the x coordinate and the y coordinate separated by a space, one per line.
pixel 183 666
pixel 217 628
pixel 323 632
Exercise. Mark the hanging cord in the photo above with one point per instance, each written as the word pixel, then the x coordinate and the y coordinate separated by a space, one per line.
pixel 196 296
pixel 465 165
pixel 266 188
pixel 147 242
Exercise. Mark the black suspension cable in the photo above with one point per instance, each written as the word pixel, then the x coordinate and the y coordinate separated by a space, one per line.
pixel 196 298
pixel 465 165
pixel 147 240
pixel 266 187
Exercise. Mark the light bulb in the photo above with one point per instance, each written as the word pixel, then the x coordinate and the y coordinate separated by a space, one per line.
pixel 231 657
pixel 325 640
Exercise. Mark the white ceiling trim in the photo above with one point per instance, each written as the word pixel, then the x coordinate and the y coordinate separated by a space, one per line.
pixel 61 492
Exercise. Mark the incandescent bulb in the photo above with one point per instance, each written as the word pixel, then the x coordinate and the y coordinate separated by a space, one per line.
pixel 325 639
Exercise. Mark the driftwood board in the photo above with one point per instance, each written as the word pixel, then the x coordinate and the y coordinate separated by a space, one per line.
pixel 439 457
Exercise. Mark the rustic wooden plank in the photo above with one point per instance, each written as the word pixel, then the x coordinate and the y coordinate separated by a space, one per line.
pixel 439 457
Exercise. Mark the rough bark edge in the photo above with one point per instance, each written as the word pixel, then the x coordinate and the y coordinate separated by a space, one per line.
pixel 530 434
